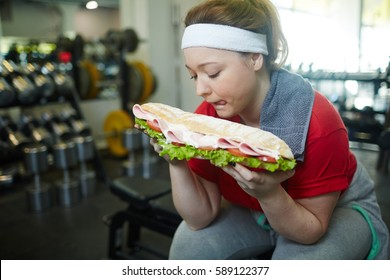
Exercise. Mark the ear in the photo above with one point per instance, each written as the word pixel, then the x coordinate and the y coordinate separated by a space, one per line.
pixel 257 61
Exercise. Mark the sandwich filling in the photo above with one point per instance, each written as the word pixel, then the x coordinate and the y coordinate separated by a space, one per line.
pixel 178 142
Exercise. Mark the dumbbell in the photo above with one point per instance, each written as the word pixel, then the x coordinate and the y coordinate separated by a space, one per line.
pixel 26 92
pixel 12 136
pixel 64 85
pixel 131 139
pixel 85 152
pixel 75 123
pixel 59 130
pixel 43 83
pixel 39 196
pixel 7 93
pixel 149 160
pixel 67 188
pixel 31 127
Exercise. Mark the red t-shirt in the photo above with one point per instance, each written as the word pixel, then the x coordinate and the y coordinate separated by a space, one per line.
pixel 328 165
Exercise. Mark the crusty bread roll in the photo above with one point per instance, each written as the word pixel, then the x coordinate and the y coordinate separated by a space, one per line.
pixel 219 127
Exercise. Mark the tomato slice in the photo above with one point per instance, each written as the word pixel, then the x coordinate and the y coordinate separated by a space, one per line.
pixel 153 126
pixel 267 159
pixel 178 144
pixel 236 152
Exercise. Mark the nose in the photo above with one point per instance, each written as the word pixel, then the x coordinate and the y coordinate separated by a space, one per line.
pixel 202 88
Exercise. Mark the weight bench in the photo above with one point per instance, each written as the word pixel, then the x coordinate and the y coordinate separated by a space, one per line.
pixel 150 206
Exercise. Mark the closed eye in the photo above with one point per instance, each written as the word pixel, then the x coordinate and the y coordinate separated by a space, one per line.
pixel 214 75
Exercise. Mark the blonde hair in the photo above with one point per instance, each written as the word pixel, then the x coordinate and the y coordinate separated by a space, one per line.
pixel 259 16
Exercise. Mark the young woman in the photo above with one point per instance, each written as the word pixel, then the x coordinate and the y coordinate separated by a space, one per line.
pixel 325 209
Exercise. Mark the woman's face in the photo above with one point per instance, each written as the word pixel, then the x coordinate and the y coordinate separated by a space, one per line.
pixel 225 79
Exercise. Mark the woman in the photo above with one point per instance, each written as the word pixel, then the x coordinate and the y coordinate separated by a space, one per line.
pixel 325 209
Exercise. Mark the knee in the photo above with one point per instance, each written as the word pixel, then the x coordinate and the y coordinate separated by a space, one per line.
pixel 188 244
pixel 185 243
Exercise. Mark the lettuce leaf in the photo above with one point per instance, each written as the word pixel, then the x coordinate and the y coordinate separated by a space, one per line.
pixel 218 157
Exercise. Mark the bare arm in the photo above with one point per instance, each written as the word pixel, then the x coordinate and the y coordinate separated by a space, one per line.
pixel 196 199
pixel 303 220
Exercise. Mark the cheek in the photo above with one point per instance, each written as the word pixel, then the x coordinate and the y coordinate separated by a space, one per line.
pixel 236 86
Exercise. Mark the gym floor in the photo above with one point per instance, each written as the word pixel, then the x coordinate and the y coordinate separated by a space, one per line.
pixel 79 232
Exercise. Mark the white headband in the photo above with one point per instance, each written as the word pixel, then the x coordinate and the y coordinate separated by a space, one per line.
pixel 224 37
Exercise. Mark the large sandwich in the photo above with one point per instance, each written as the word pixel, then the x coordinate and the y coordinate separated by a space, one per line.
pixel 184 135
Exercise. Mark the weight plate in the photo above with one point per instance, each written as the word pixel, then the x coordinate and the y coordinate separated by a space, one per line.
pixel 130 40
pixel 147 77
pixel 84 81
pixel 114 125
pixel 94 78
pixel 135 83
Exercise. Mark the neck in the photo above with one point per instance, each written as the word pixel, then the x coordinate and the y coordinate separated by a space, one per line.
pixel 251 115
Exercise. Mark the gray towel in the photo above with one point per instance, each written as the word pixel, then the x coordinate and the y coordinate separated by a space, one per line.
pixel 287 110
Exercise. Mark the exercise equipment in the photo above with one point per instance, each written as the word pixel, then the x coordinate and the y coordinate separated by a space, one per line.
pixel 149 158
pixel 39 196
pixel 148 81
pixel 150 206
pixel 67 188
pixel 43 83
pixel 362 125
pixel 7 93
pixel 144 165
pixel 31 127
pixel 58 129
pixel 132 142
pixel 10 134
pixel 115 123
pixel 125 40
pixel 8 173
pixel 64 84
pixel 26 92
pixel 85 153
pixel 42 112
pixel 89 78
pixel 77 125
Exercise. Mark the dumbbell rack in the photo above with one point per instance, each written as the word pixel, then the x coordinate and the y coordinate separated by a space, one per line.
pixel 69 99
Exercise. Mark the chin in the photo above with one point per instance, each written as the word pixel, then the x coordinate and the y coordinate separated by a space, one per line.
pixel 225 114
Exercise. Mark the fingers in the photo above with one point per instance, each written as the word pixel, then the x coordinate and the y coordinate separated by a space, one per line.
pixel 157 148
pixel 243 174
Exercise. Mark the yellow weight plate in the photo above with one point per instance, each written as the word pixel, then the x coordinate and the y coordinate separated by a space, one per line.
pixel 115 123
pixel 148 80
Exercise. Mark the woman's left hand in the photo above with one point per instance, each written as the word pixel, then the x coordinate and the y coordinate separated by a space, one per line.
pixel 259 184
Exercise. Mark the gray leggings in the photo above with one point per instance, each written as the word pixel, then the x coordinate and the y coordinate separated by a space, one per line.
pixel 235 234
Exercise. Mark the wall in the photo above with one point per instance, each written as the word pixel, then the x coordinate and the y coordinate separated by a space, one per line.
pixel 33 20
pixel 166 27
pixel 93 25
pixel 47 21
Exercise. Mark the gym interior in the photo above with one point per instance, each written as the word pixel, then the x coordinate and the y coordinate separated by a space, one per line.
pixel 78 182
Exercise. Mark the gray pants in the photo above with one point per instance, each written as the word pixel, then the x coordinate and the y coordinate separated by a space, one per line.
pixel 235 234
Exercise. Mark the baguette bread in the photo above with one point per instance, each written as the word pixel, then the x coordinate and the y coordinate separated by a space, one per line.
pixel 221 128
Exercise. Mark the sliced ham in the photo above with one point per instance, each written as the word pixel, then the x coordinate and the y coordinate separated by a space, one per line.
pixel 142 114
pixel 180 134
pixel 250 150
pixel 225 143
